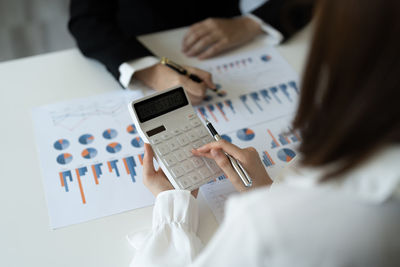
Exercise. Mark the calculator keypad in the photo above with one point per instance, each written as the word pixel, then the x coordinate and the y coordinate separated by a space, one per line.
pixel 174 147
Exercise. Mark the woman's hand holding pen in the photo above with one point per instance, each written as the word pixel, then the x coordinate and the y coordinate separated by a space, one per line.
pixel 212 36
pixel 160 77
pixel 248 157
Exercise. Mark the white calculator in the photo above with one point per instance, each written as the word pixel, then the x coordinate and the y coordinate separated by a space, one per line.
pixel 168 122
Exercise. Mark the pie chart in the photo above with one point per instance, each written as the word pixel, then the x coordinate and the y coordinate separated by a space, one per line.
pixel 131 129
pixel 114 147
pixel 89 153
pixel 286 154
pixel 61 144
pixel 64 158
pixel 137 142
pixel 86 139
pixel 245 134
pixel 110 134
pixel 265 58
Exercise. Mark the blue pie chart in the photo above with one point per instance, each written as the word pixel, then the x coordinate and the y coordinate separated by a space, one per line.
pixel 245 134
pixel 110 134
pixel 131 129
pixel 137 142
pixel 86 139
pixel 61 144
pixel 64 158
pixel 114 147
pixel 89 153
pixel 286 154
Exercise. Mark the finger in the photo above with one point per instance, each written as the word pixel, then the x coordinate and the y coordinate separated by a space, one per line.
pixel 201 44
pixel 204 75
pixel 148 167
pixel 213 50
pixel 223 162
pixel 194 34
pixel 196 89
pixel 229 148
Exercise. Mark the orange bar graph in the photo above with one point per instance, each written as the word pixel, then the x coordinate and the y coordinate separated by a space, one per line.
pixel 126 167
pixel 223 114
pixel 62 179
pixel 212 114
pixel 273 138
pixel 80 186
pixel 96 180
pixel 140 159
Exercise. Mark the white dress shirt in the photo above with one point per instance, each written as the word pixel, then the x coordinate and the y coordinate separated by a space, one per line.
pixel 353 220
pixel 127 69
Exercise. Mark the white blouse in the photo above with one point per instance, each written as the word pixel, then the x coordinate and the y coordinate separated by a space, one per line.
pixel 352 221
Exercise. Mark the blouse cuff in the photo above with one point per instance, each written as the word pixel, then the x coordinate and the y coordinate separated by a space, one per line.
pixel 176 207
pixel 274 37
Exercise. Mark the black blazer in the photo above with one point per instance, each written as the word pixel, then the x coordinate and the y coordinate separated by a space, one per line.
pixel 106 30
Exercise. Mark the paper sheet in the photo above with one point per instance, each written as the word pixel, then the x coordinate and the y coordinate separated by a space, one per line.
pixel 91 154
pixel 91 158
pixel 260 94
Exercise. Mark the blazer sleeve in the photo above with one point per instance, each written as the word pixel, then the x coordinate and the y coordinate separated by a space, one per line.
pixel 287 16
pixel 94 26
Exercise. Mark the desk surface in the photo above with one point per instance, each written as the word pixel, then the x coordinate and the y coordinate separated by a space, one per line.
pixel 25 237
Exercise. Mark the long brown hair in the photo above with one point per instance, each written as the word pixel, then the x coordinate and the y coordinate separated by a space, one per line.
pixel 350 100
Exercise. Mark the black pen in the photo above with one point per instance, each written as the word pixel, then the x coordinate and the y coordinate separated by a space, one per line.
pixel 241 172
pixel 181 70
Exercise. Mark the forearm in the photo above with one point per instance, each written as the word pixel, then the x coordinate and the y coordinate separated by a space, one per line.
pixel 98 36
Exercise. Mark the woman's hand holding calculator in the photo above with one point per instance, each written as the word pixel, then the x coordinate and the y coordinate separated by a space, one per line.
pixel 155 180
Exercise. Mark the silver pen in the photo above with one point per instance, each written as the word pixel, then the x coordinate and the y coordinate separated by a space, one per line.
pixel 241 172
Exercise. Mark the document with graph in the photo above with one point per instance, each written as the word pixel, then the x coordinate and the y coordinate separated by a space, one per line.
pixel 91 154
pixel 257 99
pixel 91 157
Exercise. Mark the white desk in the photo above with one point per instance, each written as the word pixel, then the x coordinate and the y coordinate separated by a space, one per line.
pixel 25 237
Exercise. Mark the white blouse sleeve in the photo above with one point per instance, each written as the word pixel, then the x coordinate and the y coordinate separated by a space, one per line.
pixel 172 240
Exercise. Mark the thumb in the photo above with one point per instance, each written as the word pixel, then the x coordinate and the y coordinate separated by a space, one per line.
pixel 148 167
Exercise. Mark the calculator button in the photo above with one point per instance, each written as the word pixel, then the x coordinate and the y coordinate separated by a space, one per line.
pixel 180 155
pixel 192 135
pixel 177 171
pixel 204 172
pixel 173 144
pixel 170 160
pixel 184 182
pixel 162 149
pixel 197 162
pixel 195 177
pixel 165 136
pixel 187 166
pixel 155 140
pixel 183 140
pixel 176 131
pixel 212 165
pixel 197 144
pixel 188 151
pixel 201 131
pixel 207 140
pixel 195 123
pixel 192 116
pixel 186 127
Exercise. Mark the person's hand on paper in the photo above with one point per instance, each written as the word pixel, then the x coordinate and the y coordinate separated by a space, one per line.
pixel 160 77
pixel 155 180
pixel 248 157
pixel 212 36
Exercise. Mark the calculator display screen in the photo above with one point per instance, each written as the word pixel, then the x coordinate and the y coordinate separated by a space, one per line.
pixel 160 104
